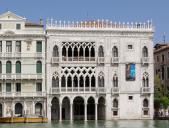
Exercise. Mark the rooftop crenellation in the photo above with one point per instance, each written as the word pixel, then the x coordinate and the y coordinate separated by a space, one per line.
pixel 99 24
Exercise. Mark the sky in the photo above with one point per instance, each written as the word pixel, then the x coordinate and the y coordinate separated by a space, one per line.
pixel 80 10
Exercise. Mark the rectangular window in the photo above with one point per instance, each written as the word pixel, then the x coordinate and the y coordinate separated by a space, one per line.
pixel 163 57
pixel 130 46
pixel 162 72
pixel 18 26
pixel 18 46
pixel 157 59
pixel 8 87
pixel 0 46
pixel 0 26
pixel 8 46
pixel 38 87
pixel 39 46
pixel 167 72
pixel 18 87
pixel 130 97
pixel 0 87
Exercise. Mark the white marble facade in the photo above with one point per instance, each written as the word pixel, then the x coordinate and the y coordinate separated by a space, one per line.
pixel 92 70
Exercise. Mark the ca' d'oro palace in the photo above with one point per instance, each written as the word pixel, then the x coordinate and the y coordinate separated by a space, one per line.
pixel 89 70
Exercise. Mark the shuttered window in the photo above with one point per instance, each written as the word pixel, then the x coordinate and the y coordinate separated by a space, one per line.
pixel 39 46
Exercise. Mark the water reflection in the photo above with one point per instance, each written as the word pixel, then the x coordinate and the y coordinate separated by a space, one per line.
pixel 93 124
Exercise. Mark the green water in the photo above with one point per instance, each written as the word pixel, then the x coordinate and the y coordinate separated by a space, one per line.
pixel 93 124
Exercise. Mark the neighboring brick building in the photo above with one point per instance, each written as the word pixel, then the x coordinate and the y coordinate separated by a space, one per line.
pixel 161 63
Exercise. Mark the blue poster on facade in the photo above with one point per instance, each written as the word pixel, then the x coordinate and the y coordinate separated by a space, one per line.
pixel 130 72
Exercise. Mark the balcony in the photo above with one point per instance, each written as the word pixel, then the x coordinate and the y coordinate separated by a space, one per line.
pixel 55 60
pixel 78 59
pixel 145 60
pixel 57 90
pixel 115 60
pixel 21 76
pixel 100 60
pixel 115 90
pixel 13 55
pixel 22 94
pixel 145 90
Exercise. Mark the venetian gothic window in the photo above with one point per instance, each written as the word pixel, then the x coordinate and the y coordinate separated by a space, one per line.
pixel 145 103
pixel 115 51
pixel 55 51
pixel 8 67
pixel 55 80
pixel 115 81
pixel 115 103
pixel 145 51
pixel 100 51
pixel 101 79
pixel 145 80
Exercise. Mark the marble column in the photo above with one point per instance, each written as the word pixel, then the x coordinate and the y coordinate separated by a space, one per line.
pixel 71 112
pixel 60 112
pixel 95 111
pixel 85 112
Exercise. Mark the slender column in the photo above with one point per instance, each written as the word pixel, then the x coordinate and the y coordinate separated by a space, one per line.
pixel 12 112
pixel 78 83
pixel 90 84
pixel 60 85
pixel 4 109
pixel 85 111
pixel 24 107
pixel 84 83
pixel 33 107
pixel 95 111
pixel 60 116
pixel 66 83
pixel 71 111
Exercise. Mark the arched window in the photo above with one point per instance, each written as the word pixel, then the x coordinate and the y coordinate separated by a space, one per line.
pixel 86 52
pixel 87 82
pixel 64 51
pixel 38 109
pixel 145 103
pixel 145 80
pixel 93 81
pixel 75 51
pixel 81 51
pixel 55 51
pixel 8 67
pixel 81 82
pixel 100 51
pixel 92 52
pixel 115 51
pixel 63 81
pixel 101 79
pixel 38 67
pixel 55 80
pixel 69 81
pixel 0 67
pixel 18 67
pixel 115 103
pixel 69 51
pixel 75 81
pixel 145 51
pixel 115 81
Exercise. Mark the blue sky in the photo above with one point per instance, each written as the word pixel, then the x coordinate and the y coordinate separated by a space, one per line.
pixel 115 10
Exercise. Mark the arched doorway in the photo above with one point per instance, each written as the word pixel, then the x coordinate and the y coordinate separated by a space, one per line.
pixel 18 110
pixel 55 109
pixel 78 108
pixel 101 108
pixel 66 109
pixel 91 109
pixel 0 110
pixel 38 109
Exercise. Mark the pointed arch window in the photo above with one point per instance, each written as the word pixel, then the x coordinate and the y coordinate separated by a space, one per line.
pixel 115 51
pixel 55 80
pixel 115 103
pixel 145 103
pixel 101 79
pixel 63 81
pixel 145 80
pixel 115 81
pixel 145 51
pixel 101 51
pixel 55 51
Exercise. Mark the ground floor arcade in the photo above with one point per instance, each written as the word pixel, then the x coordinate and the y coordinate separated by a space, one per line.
pixel 78 108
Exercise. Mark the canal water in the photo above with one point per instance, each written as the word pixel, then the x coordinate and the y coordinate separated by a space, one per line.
pixel 93 124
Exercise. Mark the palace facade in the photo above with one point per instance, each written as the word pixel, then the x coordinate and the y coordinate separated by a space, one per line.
pixel 92 70
pixel 22 67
